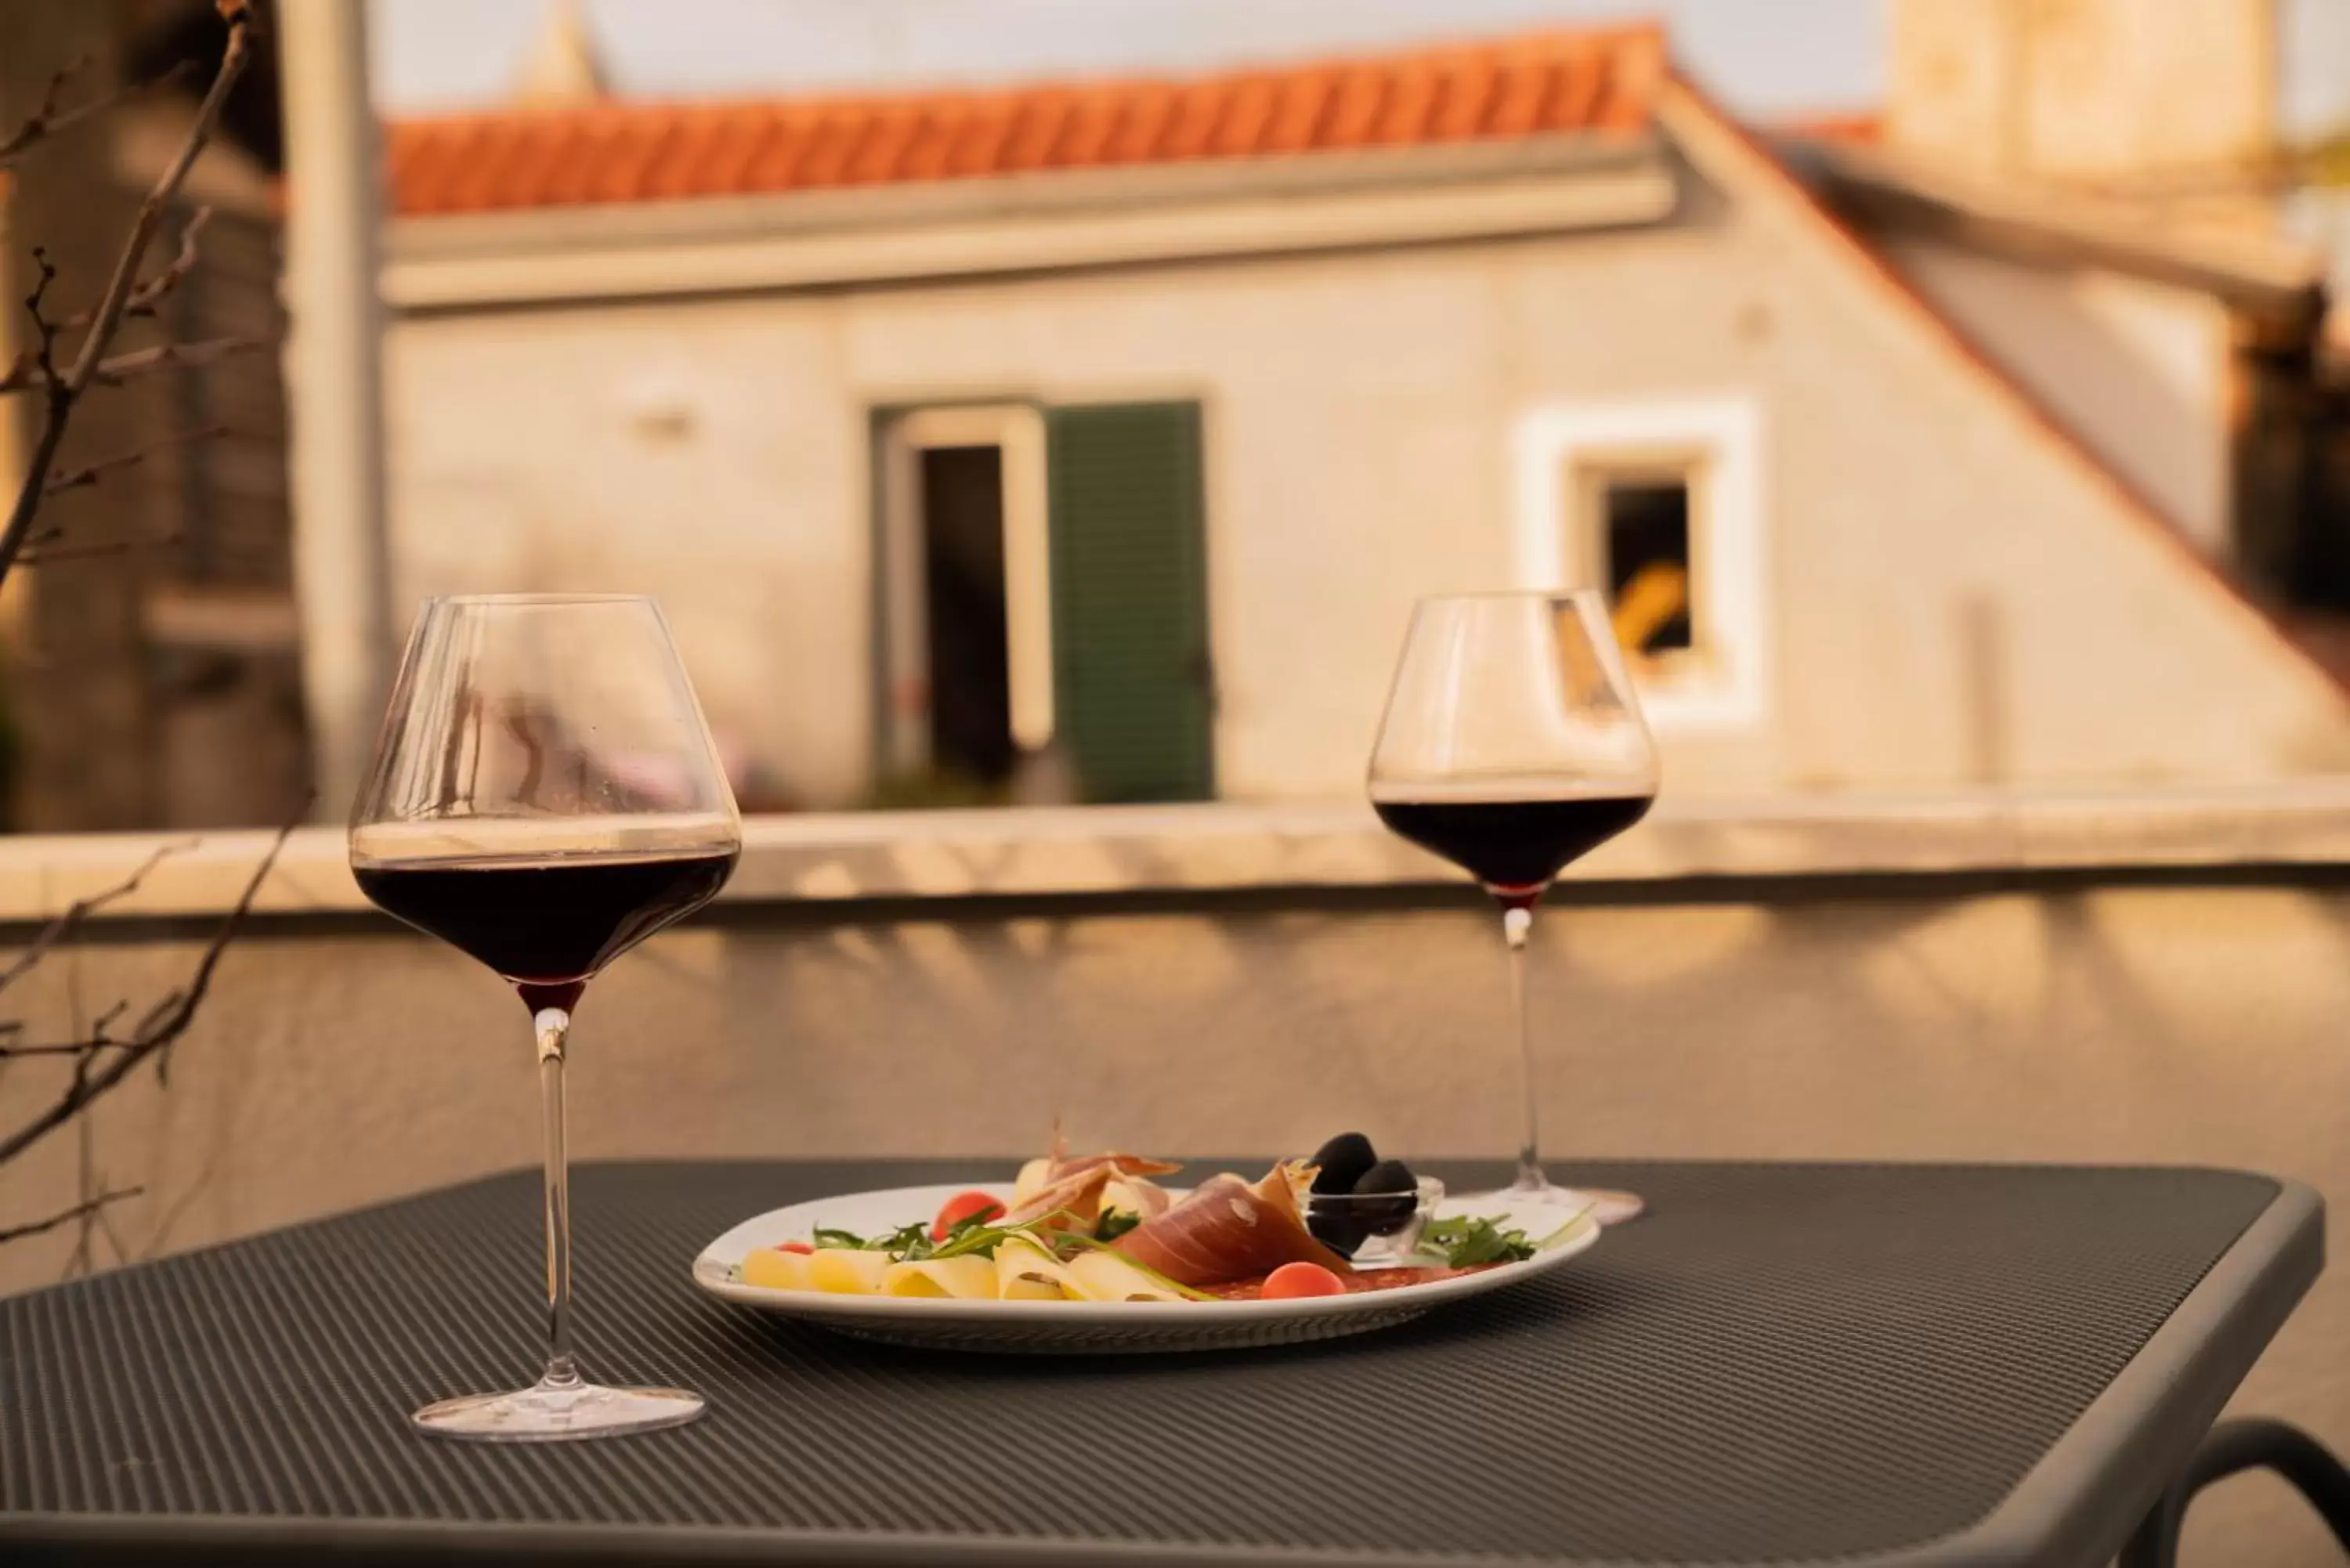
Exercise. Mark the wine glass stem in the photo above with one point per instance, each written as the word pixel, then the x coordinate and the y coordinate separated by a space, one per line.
pixel 553 1024
pixel 1516 922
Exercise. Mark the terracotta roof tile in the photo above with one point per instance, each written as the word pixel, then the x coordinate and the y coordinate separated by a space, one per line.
pixel 1863 128
pixel 1190 124
pixel 1357 107
pixel 632 152
pixel 1298 111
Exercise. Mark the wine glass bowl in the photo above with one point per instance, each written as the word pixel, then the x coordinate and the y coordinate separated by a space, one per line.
pixel 544 796
pixel 1513 745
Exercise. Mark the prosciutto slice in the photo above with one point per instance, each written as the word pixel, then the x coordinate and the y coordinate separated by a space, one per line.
pixel 1078 1195
pixel 1228 1229
pixel 1122 1164
pixel 1067 1180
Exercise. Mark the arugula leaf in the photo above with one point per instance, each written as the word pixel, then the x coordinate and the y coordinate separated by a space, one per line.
pixel 912 1244
pixel 912 1241
pixel 1472 1241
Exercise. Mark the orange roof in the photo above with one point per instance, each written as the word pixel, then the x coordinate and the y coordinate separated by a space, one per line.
pixel 1861 127
pixel 1539 84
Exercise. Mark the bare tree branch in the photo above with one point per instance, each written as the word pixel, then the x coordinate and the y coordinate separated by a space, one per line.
pixel 62 391
pixel 67 1216
pixel 148 296
pixel 52 118
pixel 25 373
pixel 97 1039
pixel 81 478
pixel 151 1038
pixel 80 910
pixel 40 360
pixel 105 1059
pixel 60 554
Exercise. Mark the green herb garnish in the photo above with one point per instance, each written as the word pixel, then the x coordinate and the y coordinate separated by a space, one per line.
pixel 1472 1241
pixel 908 1241
pixel 1114 1223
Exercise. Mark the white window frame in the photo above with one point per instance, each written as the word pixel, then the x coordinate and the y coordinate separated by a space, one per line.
pixel 1018 428
pixel 1552 540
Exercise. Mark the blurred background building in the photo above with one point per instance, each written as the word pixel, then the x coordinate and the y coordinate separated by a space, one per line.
pixel 1088 437
pixel 154 675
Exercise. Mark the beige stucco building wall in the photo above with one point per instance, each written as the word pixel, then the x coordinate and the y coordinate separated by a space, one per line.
pixel 1951 594
pixel 2142 371
pixel 2088 88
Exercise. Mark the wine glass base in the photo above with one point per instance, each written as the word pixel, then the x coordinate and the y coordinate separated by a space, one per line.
pixel 1608 1205
pixel 554 1412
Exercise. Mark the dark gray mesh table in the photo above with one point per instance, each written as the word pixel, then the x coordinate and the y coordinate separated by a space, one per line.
pixel 1782 1364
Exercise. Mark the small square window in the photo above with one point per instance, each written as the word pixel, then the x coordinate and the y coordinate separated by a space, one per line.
pixel 1645 532
pixel 1661 505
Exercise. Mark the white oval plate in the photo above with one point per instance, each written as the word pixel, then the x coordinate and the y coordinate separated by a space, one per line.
pixel 1083 1327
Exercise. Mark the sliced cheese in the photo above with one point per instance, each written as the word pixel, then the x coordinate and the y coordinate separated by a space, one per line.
pixel 1107 1277
pixel 969 1278
pixel 771 1269
pixel 847 1272
pixel 1026 1272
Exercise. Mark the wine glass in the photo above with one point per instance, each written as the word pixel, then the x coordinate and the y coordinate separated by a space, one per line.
pixel 543 797
pixel 1512 745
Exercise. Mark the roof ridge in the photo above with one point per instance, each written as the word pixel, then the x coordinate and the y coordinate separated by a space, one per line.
pixel 1619 35
pixel 1593 80
pixel 2136 502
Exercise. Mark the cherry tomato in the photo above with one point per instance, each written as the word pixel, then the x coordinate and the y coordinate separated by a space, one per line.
pixel 1292 1279
pixel 964 1206
pixel 801 1246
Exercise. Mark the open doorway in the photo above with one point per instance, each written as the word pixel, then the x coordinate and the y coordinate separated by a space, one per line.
pixel 967 605
pixel 969 675
pixel 1043 610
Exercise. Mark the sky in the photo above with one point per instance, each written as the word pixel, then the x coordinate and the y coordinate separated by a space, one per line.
pixel 1765 56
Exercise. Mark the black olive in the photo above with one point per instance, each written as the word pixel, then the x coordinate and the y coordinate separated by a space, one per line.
pixel 1342 1233
pixel 1342 1161
pixel 1391 1180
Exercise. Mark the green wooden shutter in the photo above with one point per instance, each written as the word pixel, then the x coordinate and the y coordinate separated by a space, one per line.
pixel 1133 692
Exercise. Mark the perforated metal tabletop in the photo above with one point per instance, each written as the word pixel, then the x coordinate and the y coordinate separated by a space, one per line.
pixel 1881 1366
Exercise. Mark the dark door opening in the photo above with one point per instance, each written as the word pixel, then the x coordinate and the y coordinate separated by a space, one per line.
pixel 970 666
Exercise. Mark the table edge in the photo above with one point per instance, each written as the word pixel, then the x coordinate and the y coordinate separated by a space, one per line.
pixel 2074 1509
pixel 2079 1504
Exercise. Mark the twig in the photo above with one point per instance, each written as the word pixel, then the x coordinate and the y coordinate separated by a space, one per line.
pixel 40 361
pixel 149 295
pixel 98 1038
pixel 25 373
pixel 67 1216
pixel 81 478
pixel 61 392
pixel 153 1036
pixel 144 300
pixel 80 910
pixel 64 554
pixel 51 118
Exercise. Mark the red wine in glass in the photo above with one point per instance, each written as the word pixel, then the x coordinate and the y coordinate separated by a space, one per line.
pixel 1514 846
pixel 1513 745
pixel 547 924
